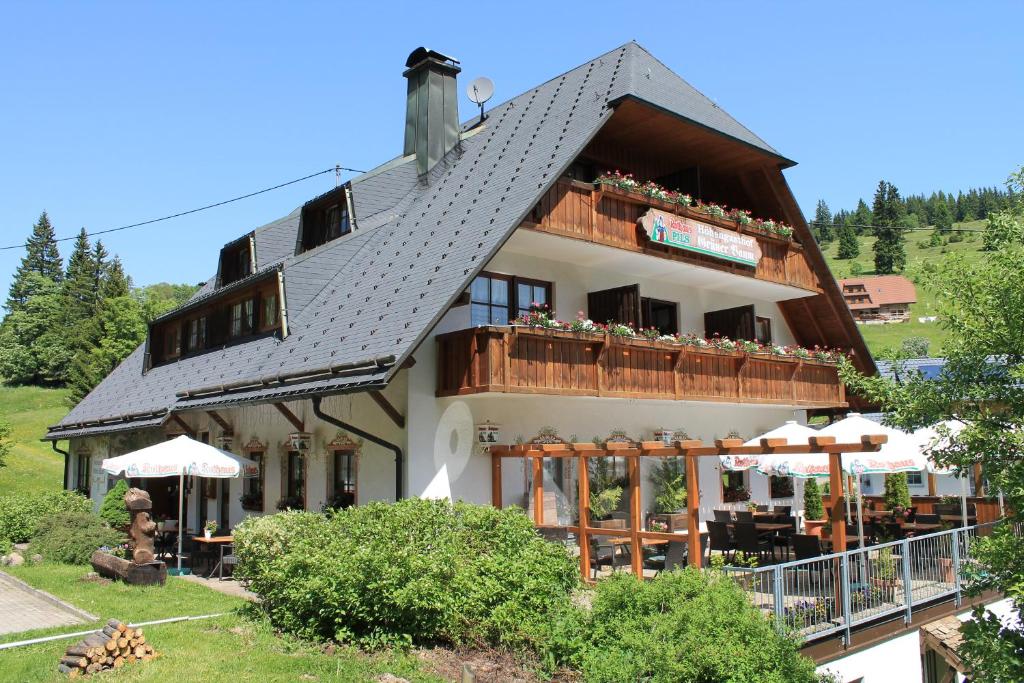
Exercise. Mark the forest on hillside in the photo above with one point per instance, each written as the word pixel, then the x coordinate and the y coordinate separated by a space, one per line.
pixel 71 324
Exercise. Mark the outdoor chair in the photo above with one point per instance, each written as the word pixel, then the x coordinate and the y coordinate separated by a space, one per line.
pixel 762 508
pixel 723 516
pixel 749 541
pixel 782 538
pixel 806 546
pixel 610 554
pixel 228 559
pixel 718 533
pixel 784 510
pixel 744 516
pixel 674 557
pixel 555 535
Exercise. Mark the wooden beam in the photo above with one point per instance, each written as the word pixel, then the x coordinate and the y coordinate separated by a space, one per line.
pixel 931 484
pixel 176 419
pixel 583 477
pixel 838 513
pixel 225 427
pixel 819 444
pixel 693 511
pixel 290 416
pixel 635 522
pixel 496 480
pixel 385 405
pixel 538 490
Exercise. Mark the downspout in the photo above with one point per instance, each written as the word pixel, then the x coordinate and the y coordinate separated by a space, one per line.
pixel 399 459
pixel 67 462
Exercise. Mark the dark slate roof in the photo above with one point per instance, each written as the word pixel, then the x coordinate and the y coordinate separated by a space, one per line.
pixel 376 293
pixel 928 367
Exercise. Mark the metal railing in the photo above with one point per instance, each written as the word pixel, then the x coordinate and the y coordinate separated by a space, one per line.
pixel 817 597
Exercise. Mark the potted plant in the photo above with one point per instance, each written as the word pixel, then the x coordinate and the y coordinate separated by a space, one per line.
pixel 291 503
pixel 669 480
pixel 250 501
pixel 897 494
pixel 883 574
pixel 209 527
pixel 814 511
pixel 751 506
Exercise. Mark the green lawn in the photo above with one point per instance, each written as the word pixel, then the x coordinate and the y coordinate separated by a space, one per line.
pixel 881 337
pixel 236 646
pixel 31 464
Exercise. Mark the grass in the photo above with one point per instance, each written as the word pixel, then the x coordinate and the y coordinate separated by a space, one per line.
pixel 890 336
pixel 32 466
pixel 238 645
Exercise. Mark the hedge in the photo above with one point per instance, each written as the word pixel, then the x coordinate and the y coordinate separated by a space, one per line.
pixel 20 515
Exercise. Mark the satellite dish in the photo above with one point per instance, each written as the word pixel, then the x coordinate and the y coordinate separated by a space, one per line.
pixel 479 91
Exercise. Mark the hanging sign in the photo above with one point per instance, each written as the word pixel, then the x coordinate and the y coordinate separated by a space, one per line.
pixel 692 235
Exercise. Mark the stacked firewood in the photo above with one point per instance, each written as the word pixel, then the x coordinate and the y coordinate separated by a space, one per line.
pixel 110 648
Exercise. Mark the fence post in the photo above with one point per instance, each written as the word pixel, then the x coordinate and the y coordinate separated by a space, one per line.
pixel 955 552
pixel 777 590
pixel 844 573
pixel 908 586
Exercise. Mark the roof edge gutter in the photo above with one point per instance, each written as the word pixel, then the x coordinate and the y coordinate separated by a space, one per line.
pixel 399 457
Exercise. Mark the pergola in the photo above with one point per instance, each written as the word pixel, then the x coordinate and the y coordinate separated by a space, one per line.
pixel 690 450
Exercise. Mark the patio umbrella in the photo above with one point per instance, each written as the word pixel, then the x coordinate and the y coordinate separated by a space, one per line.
pixel 933 438
pixel 181 457
pixel 900 453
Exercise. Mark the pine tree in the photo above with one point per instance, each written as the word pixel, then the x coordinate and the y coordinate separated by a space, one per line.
pixel 861 217
pixel 942 218
pixel 823 222
pixel 98 274
pixel 116 282
pixel 849 245
pixel 41 257
pixel 78 282
pixel 889 216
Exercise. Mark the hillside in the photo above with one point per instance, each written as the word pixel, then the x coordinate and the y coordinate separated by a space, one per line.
pixel 881 337
pixel 31 464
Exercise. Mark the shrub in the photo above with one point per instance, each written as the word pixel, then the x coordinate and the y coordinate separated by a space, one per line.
pixel 113 510
pixel 669 479
pixel 72 537
pixel 20 515
pixel 897 494
pixel 416 571
pixel 682 626
pixel 813 508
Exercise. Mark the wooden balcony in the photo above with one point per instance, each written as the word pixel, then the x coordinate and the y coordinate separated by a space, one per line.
pixel 526 360
pixel 608 216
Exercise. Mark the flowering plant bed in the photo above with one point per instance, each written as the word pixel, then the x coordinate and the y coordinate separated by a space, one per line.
pixel 541 317
pixel 652 191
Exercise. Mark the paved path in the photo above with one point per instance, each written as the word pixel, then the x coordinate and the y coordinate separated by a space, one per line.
pixel 228 587
pixel 23 608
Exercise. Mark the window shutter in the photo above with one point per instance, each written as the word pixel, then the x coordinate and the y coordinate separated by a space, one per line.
pixel 734 323
pixel 621 304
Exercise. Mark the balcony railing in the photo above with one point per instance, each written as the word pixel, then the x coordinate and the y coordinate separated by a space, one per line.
pixel 825 595
pixel 517 359
pixel 608 216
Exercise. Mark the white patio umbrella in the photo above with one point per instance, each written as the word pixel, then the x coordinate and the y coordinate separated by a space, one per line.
pixel 181 457
pixel 933 438
pixel 900 453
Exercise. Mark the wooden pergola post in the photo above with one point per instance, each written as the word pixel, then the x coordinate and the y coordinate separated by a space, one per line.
pixel 538 490
pixel 695 556
pixel 496 480
pixel 635 516
pixel 584 514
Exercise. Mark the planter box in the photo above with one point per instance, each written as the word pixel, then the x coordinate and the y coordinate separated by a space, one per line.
pixel 814 526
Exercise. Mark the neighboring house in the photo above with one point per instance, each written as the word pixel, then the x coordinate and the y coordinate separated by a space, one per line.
pixel 356 346
pixel 880 298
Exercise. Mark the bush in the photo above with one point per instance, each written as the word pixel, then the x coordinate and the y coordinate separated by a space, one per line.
pixel 20 515
pixel 113 510
pixel 682 626
pixel 416 571
pixel 72 537
pixel 813 508
pixel 897 493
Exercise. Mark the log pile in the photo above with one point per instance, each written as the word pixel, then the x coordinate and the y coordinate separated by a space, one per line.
pixel 115 645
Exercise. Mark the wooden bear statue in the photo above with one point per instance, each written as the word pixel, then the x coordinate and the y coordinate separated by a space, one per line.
pixel 143 528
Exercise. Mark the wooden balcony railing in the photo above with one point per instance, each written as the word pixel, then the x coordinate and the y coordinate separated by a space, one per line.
pixel 527 360
pixel 607 215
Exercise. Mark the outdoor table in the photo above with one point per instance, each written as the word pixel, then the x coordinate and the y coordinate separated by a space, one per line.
pixel 767 527
pixel 921 526
pixel 220 541
pixel 851 539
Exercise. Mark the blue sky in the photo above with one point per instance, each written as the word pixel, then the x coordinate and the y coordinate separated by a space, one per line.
pixel 115 113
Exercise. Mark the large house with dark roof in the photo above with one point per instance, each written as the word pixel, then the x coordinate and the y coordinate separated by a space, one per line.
pixel 365 345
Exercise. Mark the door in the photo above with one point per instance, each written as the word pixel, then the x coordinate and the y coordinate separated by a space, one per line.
pixel 734 323
pixel 621 305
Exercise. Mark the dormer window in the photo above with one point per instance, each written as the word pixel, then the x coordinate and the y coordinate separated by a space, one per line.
pixel 236 261
pixel 324 219
pixel 242 318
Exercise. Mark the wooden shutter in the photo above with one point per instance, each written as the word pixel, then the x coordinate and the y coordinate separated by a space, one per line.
pixel 734 323
pixel 621 304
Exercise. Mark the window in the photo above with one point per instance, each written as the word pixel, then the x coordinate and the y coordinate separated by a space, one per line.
pixel 296 484
pixel 344 483
pixel 915 479
pixel 172 341
pixel 336 222
pixel 780 487
pixel 235 261
pixel 325 219
pixel 197 334
pixel 499 299
pixel 252 488
pixel 659 314
pixel 241 318
pixel 82 470
pixel 734 486
pixel 269 315
pixel 489 300
pixel 763 330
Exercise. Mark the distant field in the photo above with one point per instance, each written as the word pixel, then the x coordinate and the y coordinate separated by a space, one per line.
pixel 31 464
pixel 880 337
